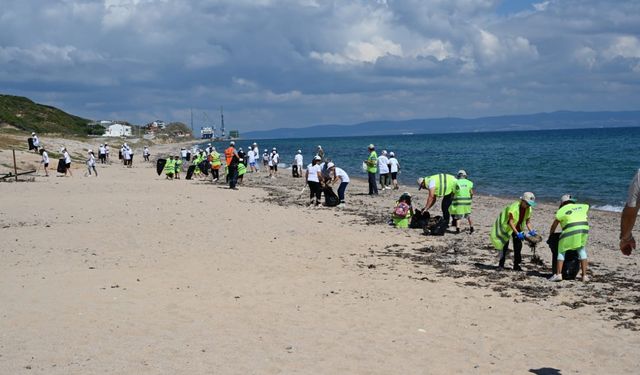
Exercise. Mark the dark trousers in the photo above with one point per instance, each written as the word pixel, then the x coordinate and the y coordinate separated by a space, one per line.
pixel 215 174
pixel 517 249
pixel 314 190
pixel 373 187
pixel 446 203
pixel 233 177
pixel 341 189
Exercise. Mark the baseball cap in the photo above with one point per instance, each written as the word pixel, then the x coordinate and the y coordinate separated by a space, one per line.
pixel 330 165
pixel 567 198
pixel 462 172
pixel 392 154
pixel 232 143
pixel 529 198
pixel 371 146
pixel 420 183
pixel 299 151
pixel 317 157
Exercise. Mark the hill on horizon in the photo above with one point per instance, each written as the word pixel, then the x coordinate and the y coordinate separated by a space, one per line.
pixel 537 121
pixel 27 115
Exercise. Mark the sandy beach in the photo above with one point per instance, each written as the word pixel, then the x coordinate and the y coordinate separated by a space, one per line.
pixel 129 273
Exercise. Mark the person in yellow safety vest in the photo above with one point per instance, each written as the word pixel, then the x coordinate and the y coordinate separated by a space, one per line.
pixel 372 169
pixel 196 161
pixel 169 168
pixel 216 163
pixel 439 185
pixel 573 220
pixel 511 223
pixel 242 169
pixel 403 211
pixel 178 166
pixel 461 205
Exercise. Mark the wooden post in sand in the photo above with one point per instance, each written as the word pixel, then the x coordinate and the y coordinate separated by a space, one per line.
pixel 15 167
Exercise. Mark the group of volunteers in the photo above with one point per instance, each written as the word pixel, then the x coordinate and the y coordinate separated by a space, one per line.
pixel 321 174
pixel 386 165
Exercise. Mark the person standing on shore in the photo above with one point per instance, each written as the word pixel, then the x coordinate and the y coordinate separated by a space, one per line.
pixel 146 153
pixel 313 180
pixel 102 154
pixel 67 161
pixel 91 163
pixel 394 168
pixel 232 159
pixel 629 215
pixel 252 156
pixel 372 168
pixel 106 152
pixel 573 220
pixel 275 158
pixel 297 161
pixel 383 169
pixel 512 222
pixel 265 160
pixel 215 165
pixel 461 204
pixel 183 156
pixel 439 185
pixel 339 174
pixel 320 152
pixel 36 141
pixel 256 155
pixel 45 161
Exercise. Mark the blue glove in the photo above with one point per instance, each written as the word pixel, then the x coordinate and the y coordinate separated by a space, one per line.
pixel 532 233
pixel 520 235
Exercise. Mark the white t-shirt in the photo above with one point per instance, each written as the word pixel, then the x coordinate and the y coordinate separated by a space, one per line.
pixel 313 172
pixel 275 158
pixel 633 198
pixel 67 157
pixel 298 159
pixel 102 150
pixel 252 156
pixel 45 157
pixel 183 153
pixel 394 165
pixel 92 160
pixel 106 150
pixel 126 154
pixel 145 151
pixel 36 141
pixel 383 164
pixel 344 177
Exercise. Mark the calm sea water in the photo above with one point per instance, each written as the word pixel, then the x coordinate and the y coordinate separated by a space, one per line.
pixel 595 165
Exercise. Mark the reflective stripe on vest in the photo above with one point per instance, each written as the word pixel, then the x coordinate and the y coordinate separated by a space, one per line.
pixel 575 227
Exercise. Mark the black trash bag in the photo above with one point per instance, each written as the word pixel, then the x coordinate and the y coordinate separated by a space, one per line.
pixel 204 166
pixel 436 226
pixel 571 265
pixel 419 220
pixel 62 166
pixel 294 171
pixel 190 171
pixel 188 156
pixel 330 198
pixel 160 166
pixel 30 142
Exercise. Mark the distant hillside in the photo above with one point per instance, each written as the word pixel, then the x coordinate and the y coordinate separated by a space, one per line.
pixel 24 114
pixel 539 121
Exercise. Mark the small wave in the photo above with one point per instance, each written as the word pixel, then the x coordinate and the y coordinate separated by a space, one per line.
pixel 608 207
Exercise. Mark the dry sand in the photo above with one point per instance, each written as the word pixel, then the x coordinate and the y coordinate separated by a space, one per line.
pixel 129 273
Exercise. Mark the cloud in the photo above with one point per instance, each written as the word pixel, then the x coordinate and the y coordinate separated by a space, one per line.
pixel 285 62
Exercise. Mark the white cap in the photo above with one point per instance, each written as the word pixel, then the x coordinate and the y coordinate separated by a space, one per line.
pixel 90 151
pixel 567 198
pixel 317 157
pixel 330 165
pixel 299 151
pixel 462 172
pixel 274 149
pixel 392 154
pixel 319 146
pixel 208 144
pixel 255 144
pixel 384 152
pixel 62 149
pixel 371 146
pixel 33 133
pixel 529 198
pixel 232 143
pixel 265 150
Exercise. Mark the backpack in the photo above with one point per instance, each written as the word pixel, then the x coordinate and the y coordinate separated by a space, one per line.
pixel 401 210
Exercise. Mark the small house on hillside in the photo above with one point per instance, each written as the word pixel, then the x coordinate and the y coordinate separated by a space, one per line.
pixel 117 130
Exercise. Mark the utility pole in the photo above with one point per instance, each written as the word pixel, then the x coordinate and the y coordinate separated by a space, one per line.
pixel 191 121
pixel 221 122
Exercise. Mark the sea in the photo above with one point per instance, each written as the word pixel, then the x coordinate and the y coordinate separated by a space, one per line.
pixel 594 165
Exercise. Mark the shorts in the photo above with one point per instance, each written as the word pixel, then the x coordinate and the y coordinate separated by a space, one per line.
pixel 461 216
pixel 394 175
pixel 46 165
pixel 67 165
pixel 252 164
pixel 582 254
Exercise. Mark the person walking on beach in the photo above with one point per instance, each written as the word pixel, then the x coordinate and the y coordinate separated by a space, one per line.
pixel 146 153
pixel 45 161
pixel 313 180
pixel 572 218
pixel 36 141
pixel 394 168
pixel 232 159
pixel 372 168
pixel 439 185
pixel 297 163
pixel 126 155
pixel 512 222
pixel 102 154
pixel 67 161
pixel 106 152
pixel 320 152
pixel 383 169
pixel 183 156
pixel 256 155
pixel 215 165
pixel 629 215
pixel 339 175
pixel 252 156
pixel 265 160
pixel 91 163
pixel 461 204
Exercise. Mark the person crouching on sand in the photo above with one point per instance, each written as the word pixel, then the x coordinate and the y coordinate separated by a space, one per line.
pixel 572 218
pixel 343 177
pixel 178 166
pixel 511 223
pixel 169 168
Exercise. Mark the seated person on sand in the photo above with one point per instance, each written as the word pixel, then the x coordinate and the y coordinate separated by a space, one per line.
pixel 403 211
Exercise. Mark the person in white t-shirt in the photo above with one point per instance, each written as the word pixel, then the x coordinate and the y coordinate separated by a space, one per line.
pixel 297 164
pixel 256 155
pixel 629 215
pixel 313 180
pixel 146 153
pixel 106 152
pixel 394 168
pixel 91 163
pixel 67 161
pixel 275 159
pixel 251 155
pixel 343 177
pixel 383 169
pixel 102 154
pixel 45 161
pixel 36 141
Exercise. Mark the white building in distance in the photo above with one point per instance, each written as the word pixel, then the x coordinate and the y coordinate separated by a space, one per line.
pixel 117 130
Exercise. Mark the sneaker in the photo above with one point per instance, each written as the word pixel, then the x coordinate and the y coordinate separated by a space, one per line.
pixel 517 268
pixel 471 230
pixel 555 277
pixel 585 279
pixel 341 205
pixel 457 230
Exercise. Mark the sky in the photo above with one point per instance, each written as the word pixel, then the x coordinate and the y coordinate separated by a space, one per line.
pixel 297 63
